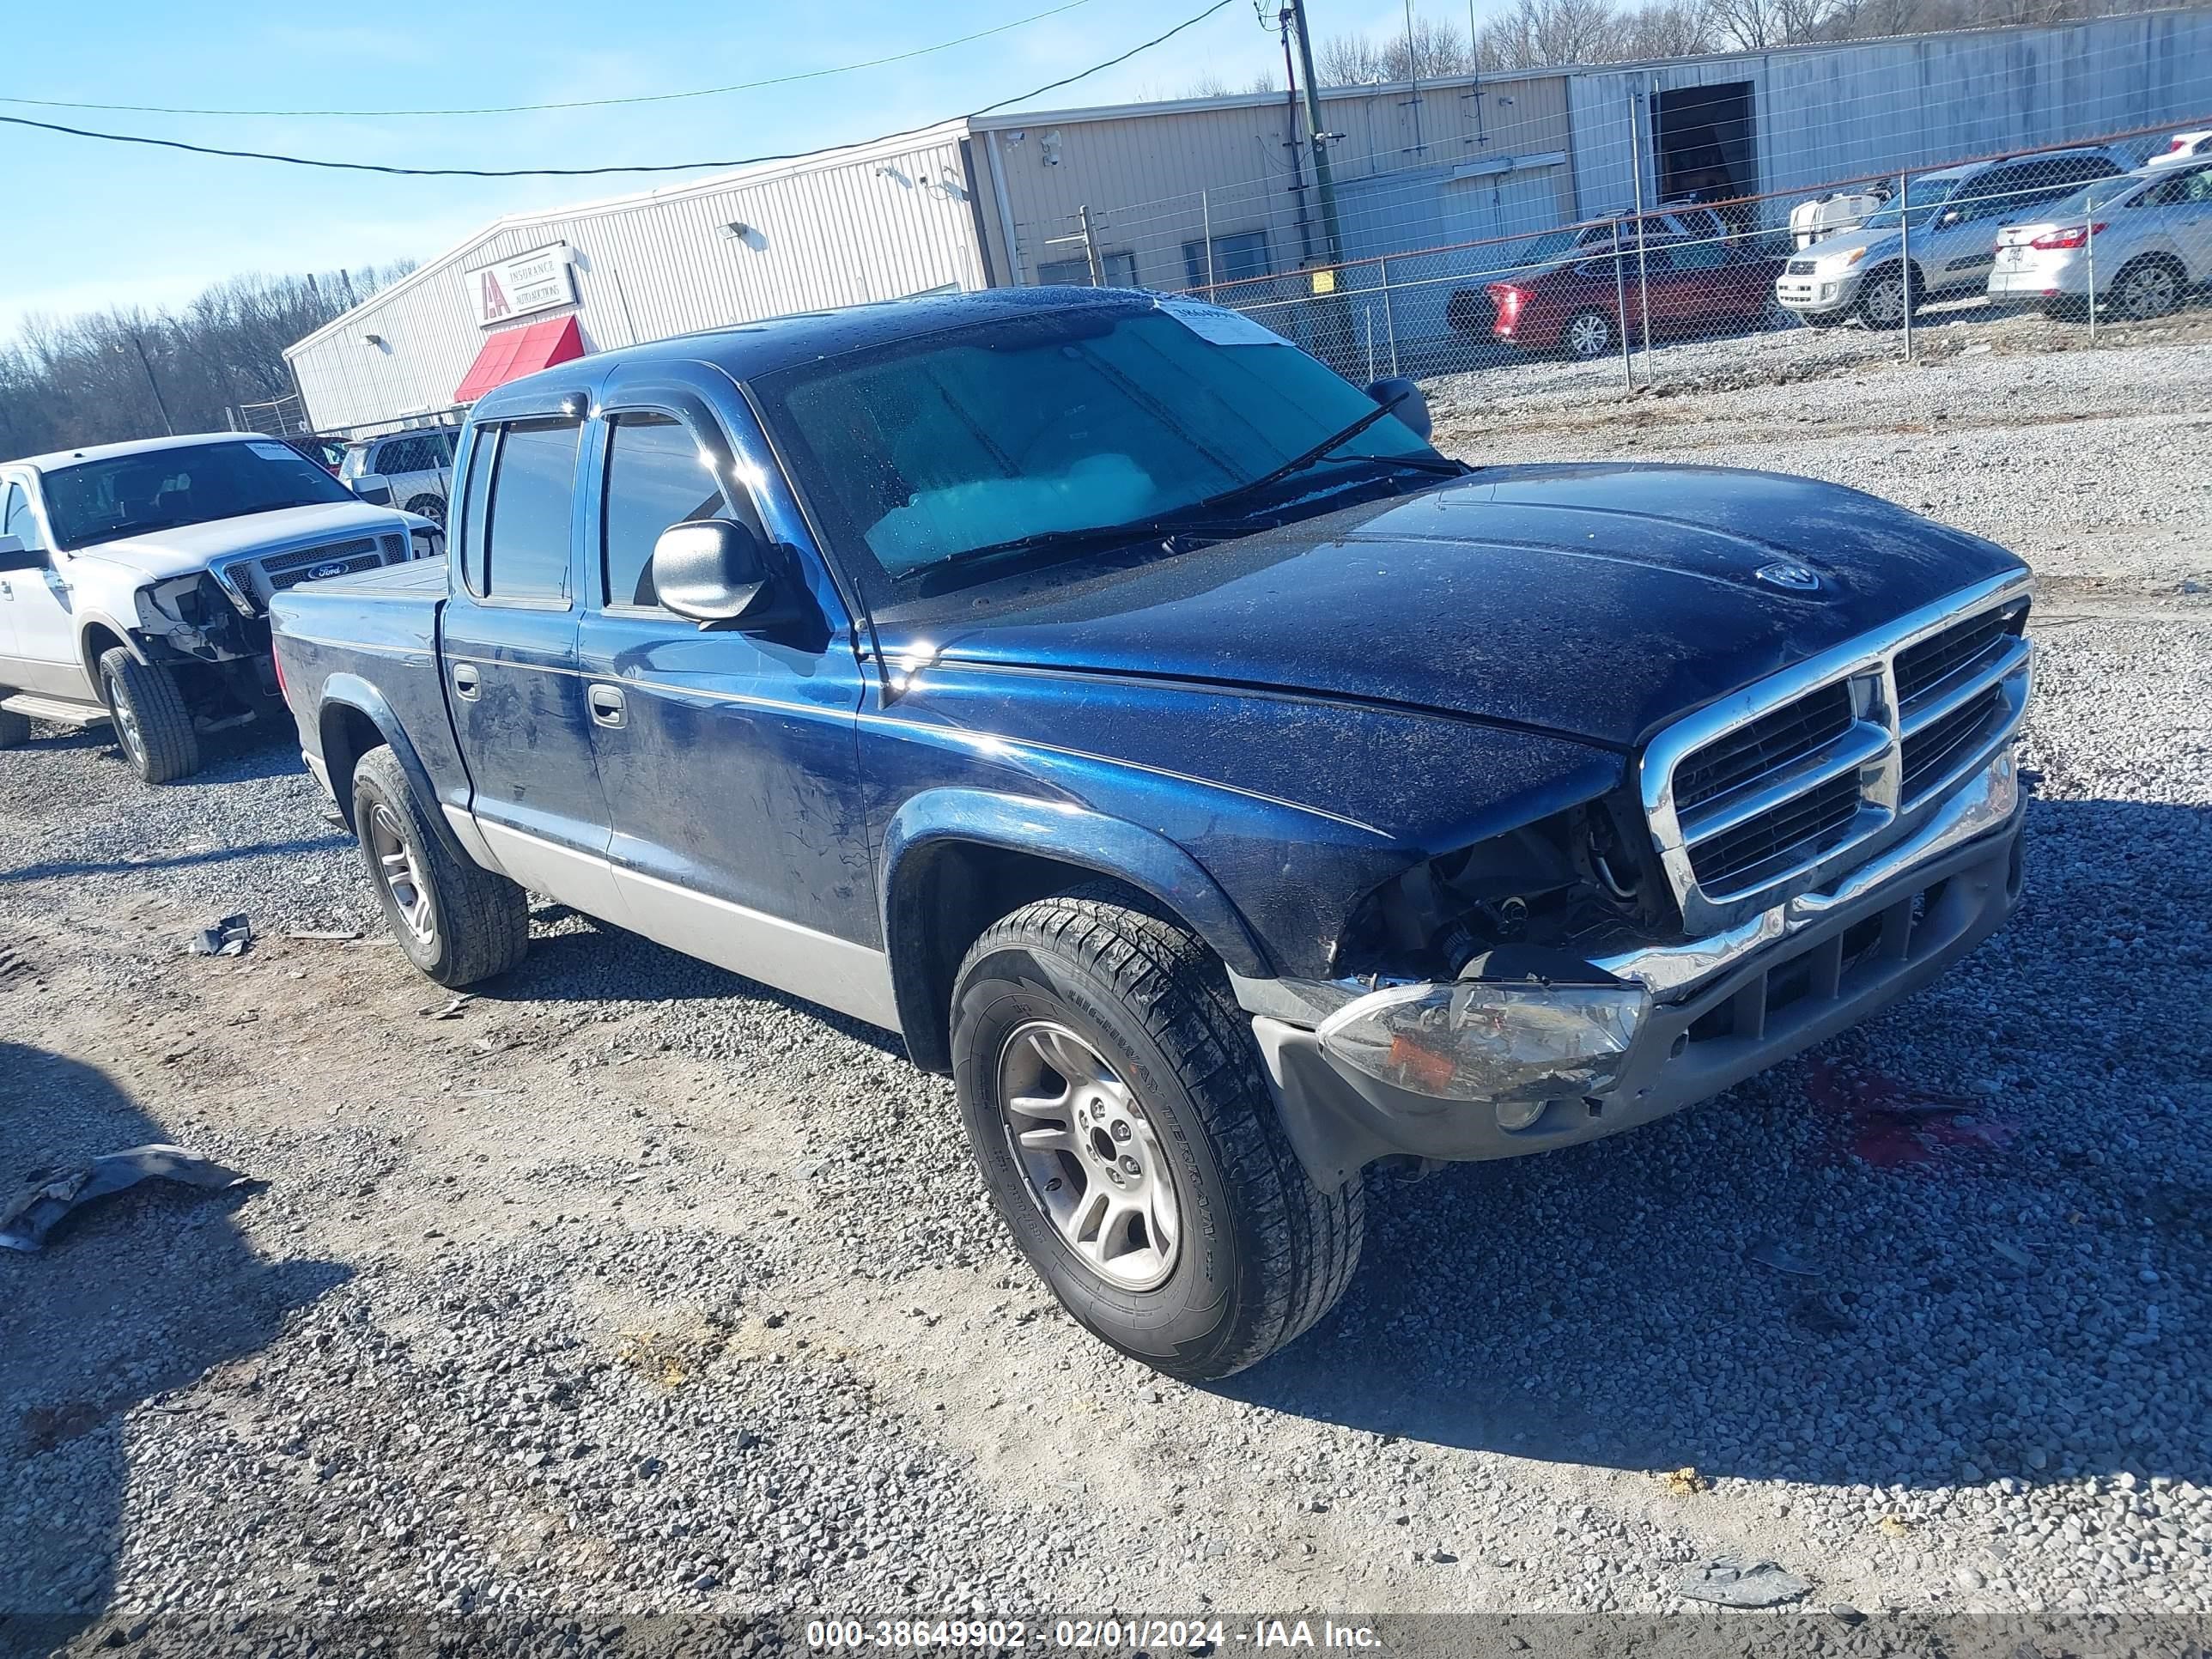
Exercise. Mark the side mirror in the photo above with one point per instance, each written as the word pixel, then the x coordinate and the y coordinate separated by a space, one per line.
pixel 1405 399
pixel 374 489
pixel 712 570
pixel 1950 216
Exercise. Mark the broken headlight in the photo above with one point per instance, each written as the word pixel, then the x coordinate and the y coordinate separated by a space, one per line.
pixel 1525 1026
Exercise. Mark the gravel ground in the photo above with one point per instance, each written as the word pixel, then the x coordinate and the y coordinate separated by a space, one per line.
pixel 634 1305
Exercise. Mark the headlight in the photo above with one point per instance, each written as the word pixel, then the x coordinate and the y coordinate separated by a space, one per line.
pixel 1520 1039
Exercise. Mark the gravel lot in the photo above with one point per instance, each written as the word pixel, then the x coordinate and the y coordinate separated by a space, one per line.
pixel 635 1297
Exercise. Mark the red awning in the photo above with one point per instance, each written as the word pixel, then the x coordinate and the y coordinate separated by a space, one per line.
pixel 514 352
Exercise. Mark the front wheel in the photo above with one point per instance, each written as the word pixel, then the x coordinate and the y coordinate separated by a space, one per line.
pixel 1113 1095
pixel 1888 298
pixel 457 922
pixel 1589 334
pixel 151 722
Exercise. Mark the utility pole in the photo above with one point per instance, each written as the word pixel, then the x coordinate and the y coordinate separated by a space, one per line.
pixel 1298 169
pixel 1324 179
pixel 145 363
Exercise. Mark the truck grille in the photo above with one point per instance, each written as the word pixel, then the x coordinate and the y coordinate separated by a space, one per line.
pixel 261 578
pixel 1802 267
pixel 1804 775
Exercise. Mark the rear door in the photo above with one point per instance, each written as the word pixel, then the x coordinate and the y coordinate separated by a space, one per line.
pixel 509 651
pixel 730 755
pixel 38 636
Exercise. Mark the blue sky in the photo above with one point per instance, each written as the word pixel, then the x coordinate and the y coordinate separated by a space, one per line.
pixel 96 224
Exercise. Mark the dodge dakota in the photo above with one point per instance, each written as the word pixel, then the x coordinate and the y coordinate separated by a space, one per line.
pixel 1229 791
pixel 135 580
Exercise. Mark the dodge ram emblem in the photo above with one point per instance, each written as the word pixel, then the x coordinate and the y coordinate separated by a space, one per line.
pixel 1794 576
pixel 323 573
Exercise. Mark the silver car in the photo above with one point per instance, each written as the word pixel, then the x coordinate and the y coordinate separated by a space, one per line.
pixel 1949 219
pixel 2143 241
pixel 413 470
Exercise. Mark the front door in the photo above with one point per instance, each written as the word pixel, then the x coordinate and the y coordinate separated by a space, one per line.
pixel 38 638
pixel 509 657
pixel 730 755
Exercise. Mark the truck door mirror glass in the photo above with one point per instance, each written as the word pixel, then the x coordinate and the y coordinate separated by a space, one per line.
pixel 1405 399
pixel 374 489
pixel 712 570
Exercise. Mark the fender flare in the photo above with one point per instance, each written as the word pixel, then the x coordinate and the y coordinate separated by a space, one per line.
pixel 85 654
pixel 1067 834
pixel 351 691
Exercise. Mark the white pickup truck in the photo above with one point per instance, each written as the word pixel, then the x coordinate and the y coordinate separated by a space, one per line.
pixel 135 583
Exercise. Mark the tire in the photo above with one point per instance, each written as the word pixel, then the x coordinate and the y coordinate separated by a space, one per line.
pixel 1887 298
pixel 15 729
pixel 432 508
pixel 151 722
pixel 1247 1253
pixel 2147 287
pixel 1588 335
pixel 459 923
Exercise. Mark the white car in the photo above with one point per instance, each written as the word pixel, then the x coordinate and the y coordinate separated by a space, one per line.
pixel 2183 147
pixel 2143 241
pixel 412 469
pixel 135 581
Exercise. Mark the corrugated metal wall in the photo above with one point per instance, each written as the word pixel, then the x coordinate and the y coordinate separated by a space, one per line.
pixel 1153 176
pixel 874 224
pixel 1828 113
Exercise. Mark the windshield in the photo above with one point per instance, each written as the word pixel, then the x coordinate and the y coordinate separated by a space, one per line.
pixel 194 483
pixel 2097 193
pixel 1548 249
pixel 1021 430
pixel 1922 198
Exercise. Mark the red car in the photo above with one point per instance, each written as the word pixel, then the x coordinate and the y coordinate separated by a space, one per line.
pixel 1695 288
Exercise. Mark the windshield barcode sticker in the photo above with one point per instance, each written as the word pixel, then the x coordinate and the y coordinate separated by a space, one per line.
pixel 1221 327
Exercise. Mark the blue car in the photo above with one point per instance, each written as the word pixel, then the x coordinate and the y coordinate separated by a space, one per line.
pixel 1231 793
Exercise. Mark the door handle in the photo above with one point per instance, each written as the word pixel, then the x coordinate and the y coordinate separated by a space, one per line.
pixel 606 705
pixel 465 682
pixel 7 591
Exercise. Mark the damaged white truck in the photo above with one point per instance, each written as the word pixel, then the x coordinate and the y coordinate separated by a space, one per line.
pixel 135 583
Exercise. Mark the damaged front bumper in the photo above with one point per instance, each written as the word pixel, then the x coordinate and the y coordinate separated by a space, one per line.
pixel 1686 1021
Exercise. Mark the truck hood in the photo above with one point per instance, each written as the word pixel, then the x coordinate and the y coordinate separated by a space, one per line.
pixel 189 547
pixel 1596 601
pixel 1875 242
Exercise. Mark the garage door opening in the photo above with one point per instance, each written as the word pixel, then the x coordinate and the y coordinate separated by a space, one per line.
pixel 1704 143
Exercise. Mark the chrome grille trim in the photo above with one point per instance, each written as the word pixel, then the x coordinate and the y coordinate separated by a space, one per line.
pixel 1873 746
pixel 252 579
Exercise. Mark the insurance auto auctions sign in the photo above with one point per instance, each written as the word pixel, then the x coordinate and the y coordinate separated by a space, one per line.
pixel 536 280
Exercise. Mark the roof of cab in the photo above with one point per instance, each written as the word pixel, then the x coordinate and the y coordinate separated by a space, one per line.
pixel 60 458
pixel 748 350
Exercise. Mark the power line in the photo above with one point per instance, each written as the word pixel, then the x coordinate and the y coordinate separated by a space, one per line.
pixel 586 172
pixel 578 103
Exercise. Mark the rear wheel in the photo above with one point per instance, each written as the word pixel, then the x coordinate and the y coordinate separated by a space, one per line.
pixel 1888 298
pixel 1589 334
pixel 2151 287
pixel 151 722
pixel 1113 1095
pixel 458 923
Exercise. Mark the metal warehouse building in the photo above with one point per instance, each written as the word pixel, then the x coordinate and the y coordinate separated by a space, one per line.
pixel 1219 193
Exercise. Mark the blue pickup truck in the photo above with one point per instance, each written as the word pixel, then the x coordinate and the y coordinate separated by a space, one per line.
pixel 1230 791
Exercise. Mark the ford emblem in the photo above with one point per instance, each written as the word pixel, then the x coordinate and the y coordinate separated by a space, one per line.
pixel 1794 577
pixel 323 573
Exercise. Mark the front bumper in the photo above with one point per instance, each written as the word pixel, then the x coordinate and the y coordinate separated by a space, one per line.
pixel 1725 1008
pixel 1818 293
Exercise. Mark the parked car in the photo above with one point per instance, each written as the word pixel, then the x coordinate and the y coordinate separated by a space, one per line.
pixel 134 580
pixel 1685 288
pixel 1950 218
pixel 2183 147
pixel 412 469
pixel 2147 236
pixel 1470 312
pixel 1228 790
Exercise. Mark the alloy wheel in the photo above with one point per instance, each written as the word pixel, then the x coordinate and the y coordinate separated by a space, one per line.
pixel 1589 335
pixel 395 864
pixel 1089 1155
pixel 2149 291
pixel 126 724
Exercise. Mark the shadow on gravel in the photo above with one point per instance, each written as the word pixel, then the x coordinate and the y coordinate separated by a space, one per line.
pixel 258 850
pixel 134 1295
pixel 1970 1241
